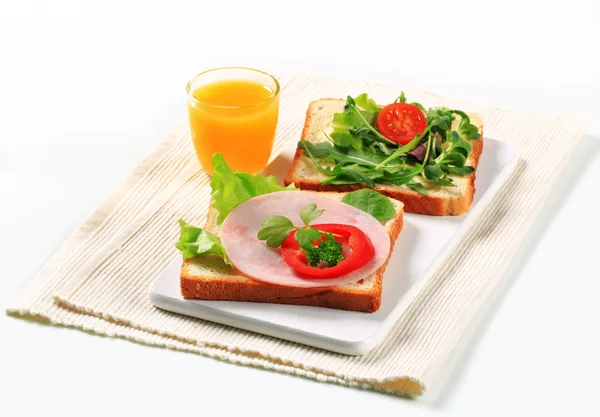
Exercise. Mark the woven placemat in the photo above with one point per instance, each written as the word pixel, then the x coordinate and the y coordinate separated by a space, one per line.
pixel 98 281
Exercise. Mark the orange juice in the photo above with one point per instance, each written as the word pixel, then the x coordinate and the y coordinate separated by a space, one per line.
pixel 236 117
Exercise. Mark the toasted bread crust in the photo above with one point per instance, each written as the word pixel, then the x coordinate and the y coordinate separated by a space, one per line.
pixel 246 289
pixel 413 202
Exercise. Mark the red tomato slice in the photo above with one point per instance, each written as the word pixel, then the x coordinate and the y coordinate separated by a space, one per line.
pixel 401 122
pixel 358 251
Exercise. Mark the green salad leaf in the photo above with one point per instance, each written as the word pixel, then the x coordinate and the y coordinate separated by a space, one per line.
pixel 417 186
pixel 195 241
pixel 357 153
pixel 275 229
pixel 366 104
pixel 326 150
pixel 372 202
pixel 230 189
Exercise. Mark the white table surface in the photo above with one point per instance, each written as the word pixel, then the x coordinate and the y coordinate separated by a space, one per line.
pixel 88 88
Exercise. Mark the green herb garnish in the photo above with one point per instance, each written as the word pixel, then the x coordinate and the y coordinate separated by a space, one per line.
pixel 329 251
pixel 309 213
pixel 275 230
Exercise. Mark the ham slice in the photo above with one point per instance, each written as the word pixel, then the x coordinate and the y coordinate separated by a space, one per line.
pixel 254 258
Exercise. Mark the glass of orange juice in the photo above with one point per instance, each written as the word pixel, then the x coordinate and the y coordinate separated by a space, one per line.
pixel 234 111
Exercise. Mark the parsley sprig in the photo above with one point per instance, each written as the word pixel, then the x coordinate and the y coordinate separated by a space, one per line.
pixel 328 250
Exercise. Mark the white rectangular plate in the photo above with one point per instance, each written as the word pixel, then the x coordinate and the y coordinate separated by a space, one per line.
pixel 422 247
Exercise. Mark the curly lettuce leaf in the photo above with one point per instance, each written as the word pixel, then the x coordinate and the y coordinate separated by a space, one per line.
pixel 365 103
pixel 230 189
pixel 195 241
pixel 351 119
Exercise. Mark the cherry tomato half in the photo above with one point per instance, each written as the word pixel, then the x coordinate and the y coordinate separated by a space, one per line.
pixel 401 122
pixel 358 251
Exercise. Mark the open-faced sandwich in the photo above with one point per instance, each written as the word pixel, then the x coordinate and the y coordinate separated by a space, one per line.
pixel 267 243
pixel 424 158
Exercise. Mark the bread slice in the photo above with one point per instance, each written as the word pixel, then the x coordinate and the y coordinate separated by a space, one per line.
pixel 441 201
pixel 209 278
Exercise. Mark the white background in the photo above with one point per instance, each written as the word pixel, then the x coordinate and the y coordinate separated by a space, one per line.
pixel 87 89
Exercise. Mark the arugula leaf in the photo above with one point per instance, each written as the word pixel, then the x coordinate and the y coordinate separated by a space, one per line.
pixel 366 121
pixel 327 150
pixel 349 102
pixel 401 98
pixel 195 241
pixel 309 213
pixel 402 176
pixel 275 229
pixel 353 174
pixel 350 176
pixel 358 116
pixel 230 189
pixel 406 148
pixel 306 236
pixel 325 170
pixel 420 107
pixel 372 202
pixel 418 187
pixel 380 147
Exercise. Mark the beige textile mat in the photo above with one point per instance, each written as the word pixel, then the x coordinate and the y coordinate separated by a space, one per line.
pixel 98 280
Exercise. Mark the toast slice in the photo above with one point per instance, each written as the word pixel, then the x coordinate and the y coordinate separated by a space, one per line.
pixel 440 201
pixel 209 278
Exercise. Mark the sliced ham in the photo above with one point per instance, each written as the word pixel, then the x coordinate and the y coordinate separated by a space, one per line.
pixel 255 259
